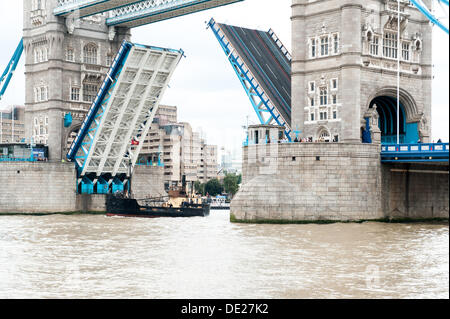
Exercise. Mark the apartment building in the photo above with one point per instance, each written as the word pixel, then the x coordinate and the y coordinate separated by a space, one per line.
pixel 186 157
pixel 12 124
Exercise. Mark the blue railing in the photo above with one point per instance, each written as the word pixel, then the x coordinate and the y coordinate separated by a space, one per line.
pixel 17 159
pixel 428 152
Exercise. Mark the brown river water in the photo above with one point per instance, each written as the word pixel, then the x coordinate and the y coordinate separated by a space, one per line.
pixel 88 256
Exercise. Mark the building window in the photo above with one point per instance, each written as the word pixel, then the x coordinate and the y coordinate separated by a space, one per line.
pixel 109 60
pixel 89 92
pixel 334 115
pixel 43 94
pixel 311 102
pixel 312 87
pixel 334 97
pixel 390 45
pixel 335 44
pixel 323 96
pixel 324 46
pixel 75 94
pixel 70 55
pixel 312 117
pixel 313 48
pixel 323 116
pixel 374 45
pixel 405 51
pixel 334 84
pixel 90 54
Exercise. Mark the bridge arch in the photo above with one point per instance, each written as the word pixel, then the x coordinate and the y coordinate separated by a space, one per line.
pixel 385 100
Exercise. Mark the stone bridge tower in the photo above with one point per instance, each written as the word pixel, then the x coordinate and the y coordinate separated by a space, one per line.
pixel 66 61
pixel 344 70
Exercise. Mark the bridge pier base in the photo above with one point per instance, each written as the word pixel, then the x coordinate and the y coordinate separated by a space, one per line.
pixel 321 182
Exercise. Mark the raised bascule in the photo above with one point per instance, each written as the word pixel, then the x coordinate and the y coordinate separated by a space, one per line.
pixel 122 112
pixel 91 95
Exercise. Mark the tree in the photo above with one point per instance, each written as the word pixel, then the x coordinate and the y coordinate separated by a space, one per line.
pixel 213 187
pixel 231 183
pixel 199 188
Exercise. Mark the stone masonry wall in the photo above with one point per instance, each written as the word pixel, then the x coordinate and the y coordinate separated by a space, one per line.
pixel 51 188
pixel 37 187
pixel 310 182
pixel 416 191
pixel 148 181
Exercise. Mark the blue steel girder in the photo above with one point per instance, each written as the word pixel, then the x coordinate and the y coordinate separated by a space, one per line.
pixel 85 8
pixel 429 15
pixel 151 11
pixel 266 112
pixel 10 68
pixel 134 13
pixel 415 153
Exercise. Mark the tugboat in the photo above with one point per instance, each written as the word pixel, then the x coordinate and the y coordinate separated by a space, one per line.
pixel 119 205
pixel 174 205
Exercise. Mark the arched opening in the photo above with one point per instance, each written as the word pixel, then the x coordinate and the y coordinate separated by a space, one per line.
pixel 387 111
pixel 324 135
pixel 71 137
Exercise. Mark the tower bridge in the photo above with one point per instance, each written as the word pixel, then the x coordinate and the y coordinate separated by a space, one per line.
pixel 87 97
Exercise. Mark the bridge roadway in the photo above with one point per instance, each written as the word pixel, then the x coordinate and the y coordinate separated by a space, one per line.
pixel 268 64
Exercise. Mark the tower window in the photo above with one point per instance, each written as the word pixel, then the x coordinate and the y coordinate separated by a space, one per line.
pixel 75 94
pixel 374 45
pixel 390 46
pixel 324 46
pixel 90 54
pixel 335 44
pixel 89 92
pixel 323 96
pixel 313 48
pixel 405 51
pixel 70 55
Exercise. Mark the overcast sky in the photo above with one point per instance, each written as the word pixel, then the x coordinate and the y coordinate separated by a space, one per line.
pixel 205 87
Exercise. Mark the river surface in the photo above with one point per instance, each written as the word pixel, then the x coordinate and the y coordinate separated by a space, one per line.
pixel 107 257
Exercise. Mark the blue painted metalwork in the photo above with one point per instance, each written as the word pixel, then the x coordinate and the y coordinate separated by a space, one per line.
pixel 415 153
pixel 150 11
pixel 87 186
pixel 367 137
pixel 426 12
pixel 86 8
pixel 249 83
pixel 117 186
pixel 98 108
pixel 68 120
pixel 102 186
pixel 11 67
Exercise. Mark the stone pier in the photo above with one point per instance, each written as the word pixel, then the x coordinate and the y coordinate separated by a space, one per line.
pixel 46 187
pixel 314 182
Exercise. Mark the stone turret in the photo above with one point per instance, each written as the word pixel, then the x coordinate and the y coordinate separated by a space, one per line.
pixel 65 63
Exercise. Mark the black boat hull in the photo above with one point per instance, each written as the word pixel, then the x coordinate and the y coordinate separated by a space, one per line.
pixel 128 207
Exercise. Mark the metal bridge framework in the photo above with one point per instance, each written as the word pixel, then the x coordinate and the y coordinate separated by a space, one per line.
pixel 262 104
pixel 123 110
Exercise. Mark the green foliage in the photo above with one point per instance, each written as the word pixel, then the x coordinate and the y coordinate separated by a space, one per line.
pixel 213 187
pixel 231 183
